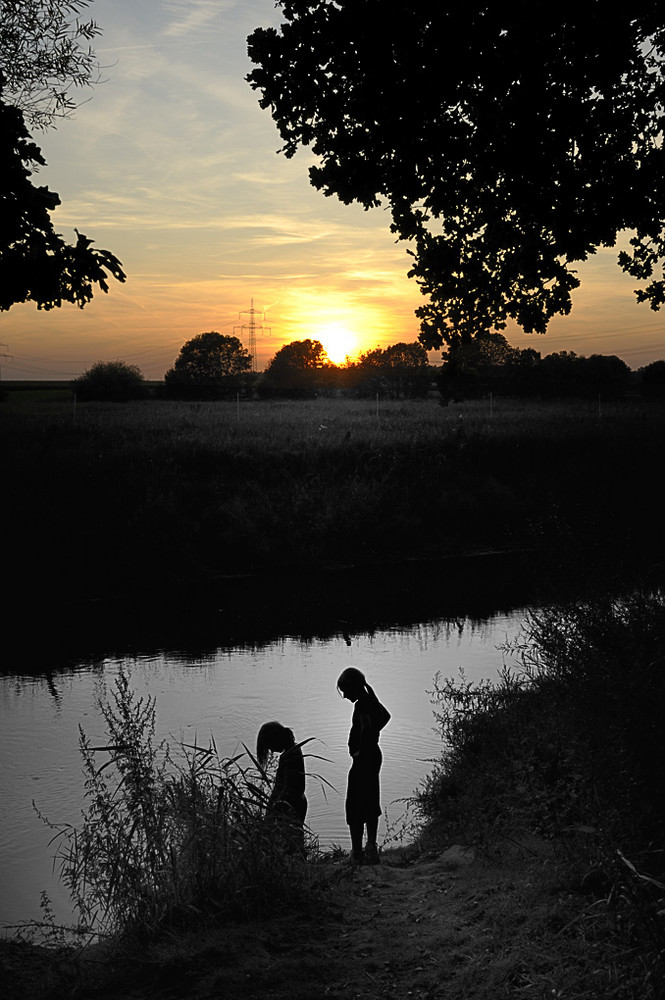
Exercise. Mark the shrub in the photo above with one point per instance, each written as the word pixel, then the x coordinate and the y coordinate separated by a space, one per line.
pixel 571 748
pixel 110 381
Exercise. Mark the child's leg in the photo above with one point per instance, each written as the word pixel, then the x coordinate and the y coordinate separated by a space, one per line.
pixel 356 831
pixel 372 829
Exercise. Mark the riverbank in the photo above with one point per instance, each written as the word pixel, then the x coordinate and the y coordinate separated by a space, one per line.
pixel 536 867
pixel 446 924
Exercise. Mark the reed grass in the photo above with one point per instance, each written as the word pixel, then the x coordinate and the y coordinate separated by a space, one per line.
pixel 171 836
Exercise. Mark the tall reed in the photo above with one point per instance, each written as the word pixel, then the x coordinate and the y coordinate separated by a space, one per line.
pixel 170 836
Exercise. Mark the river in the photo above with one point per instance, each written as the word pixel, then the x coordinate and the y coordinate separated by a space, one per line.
pixel 226 694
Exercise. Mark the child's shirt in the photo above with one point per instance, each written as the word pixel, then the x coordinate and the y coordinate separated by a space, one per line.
pixel 369 718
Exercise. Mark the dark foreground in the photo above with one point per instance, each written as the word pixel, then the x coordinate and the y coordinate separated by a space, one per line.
pixel 449 926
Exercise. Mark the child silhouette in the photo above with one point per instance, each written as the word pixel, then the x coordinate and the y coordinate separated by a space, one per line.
pixel 363 804
pixel 287 799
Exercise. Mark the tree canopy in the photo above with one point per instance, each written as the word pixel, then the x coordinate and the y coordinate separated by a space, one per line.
pixel 36 263
pixel 399 370
pixel 44 52
pixel 211 365
pixel 297 370
pixel 508 146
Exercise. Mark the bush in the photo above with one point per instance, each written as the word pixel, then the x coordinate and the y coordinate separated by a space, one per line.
pixel 110 381
pixel 168 838
pixel 572 749
pixel 577 736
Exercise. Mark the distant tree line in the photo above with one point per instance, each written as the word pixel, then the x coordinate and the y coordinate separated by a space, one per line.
pixel 215 366
pixel 302 370
pixel 490 364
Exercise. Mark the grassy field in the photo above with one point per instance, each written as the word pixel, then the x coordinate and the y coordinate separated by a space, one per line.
pixel 106 499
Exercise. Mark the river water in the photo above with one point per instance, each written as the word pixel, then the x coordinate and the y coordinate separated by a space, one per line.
pixel 227 694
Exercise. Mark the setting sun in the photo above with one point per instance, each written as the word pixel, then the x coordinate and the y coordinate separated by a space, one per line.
pixel 338 341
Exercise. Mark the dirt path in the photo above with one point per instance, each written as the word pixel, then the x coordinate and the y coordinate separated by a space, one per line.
pixel 451 926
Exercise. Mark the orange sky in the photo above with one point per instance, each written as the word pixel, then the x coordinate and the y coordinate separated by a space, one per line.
pixel 172 166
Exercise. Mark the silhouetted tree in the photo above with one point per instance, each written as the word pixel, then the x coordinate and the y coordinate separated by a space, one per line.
pixel 605 374
pixel 397 371
pixel 487 351
pixel 298 371
pixel 36 264
pixel 507 146
pixel 652 379
pixel 210 366
pixel 473 368
pixel 110 381
pixel 44 52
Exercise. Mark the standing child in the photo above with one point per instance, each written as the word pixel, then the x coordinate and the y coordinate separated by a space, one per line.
pixel 363 800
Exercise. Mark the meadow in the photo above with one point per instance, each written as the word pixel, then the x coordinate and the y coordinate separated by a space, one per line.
pixel 103 499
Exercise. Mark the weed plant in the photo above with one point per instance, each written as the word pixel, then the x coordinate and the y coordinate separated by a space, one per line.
pixel 170 838
pixel 571 748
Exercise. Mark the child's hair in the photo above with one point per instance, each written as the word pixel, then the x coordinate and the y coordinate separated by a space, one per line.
pixel 272 736
pixel 351 681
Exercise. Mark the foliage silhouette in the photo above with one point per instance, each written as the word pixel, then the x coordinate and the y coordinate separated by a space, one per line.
pixel 652 378
pixel 44 52
pixel 110 381
pixel 568 747
pixel 36 264
pixel 210 366
pixel 397 371
pixel 298 370
pixel 506 147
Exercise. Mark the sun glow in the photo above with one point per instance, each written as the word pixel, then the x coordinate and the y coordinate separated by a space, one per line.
pixel 339 342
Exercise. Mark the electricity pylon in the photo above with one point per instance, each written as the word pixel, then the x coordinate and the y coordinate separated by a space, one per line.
pixel 4 358
pixel 251 327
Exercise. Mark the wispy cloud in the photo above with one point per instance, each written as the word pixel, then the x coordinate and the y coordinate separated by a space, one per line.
pixel 186 16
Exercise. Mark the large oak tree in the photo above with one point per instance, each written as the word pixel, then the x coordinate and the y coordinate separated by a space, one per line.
pixel 509 140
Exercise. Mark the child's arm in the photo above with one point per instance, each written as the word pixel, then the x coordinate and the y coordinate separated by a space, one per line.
pixel 382 715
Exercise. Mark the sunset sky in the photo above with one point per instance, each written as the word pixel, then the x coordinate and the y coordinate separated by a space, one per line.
pixel 172 166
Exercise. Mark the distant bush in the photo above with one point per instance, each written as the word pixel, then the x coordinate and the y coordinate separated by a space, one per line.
pixel 111 382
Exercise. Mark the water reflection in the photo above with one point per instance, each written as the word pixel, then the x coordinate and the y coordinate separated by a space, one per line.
pixel 227 694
